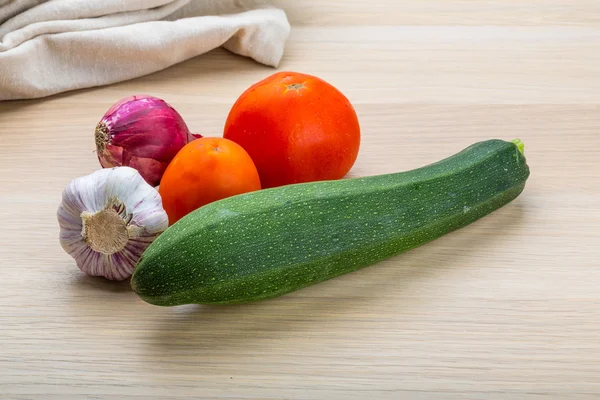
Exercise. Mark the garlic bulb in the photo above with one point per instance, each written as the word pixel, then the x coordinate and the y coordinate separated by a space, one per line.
pixel 107 219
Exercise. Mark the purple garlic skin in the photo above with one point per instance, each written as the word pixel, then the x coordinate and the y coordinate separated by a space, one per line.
pixel 107 219
pixel 142 132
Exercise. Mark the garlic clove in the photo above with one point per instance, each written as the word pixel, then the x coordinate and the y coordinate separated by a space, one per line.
pixel 107 219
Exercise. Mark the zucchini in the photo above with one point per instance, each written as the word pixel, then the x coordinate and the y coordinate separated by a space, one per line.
pixel 270 242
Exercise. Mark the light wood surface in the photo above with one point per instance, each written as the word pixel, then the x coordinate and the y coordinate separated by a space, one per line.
pixel 506 308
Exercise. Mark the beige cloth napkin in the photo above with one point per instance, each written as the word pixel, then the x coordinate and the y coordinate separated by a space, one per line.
pixel 52 46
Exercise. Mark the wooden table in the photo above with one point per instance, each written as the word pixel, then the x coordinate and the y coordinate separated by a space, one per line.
pixel 506 308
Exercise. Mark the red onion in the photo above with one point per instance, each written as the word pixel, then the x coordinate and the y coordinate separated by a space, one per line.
pixel 142 132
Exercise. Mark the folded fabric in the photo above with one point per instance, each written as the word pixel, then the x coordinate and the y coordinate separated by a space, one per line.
pixel 47 47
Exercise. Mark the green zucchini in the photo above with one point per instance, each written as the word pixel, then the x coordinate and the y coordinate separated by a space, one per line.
pixel 270 242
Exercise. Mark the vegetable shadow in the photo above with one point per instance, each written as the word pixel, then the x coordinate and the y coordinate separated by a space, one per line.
pixel 84 283
pixel 323 305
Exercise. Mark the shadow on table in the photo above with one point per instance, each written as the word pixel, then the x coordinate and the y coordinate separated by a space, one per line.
pixel 336 301
pixel 87 283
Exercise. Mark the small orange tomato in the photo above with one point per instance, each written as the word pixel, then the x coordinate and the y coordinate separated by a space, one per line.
pixel 206 170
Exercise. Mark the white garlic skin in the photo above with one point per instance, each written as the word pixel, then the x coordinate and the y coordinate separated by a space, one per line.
pixel 107 219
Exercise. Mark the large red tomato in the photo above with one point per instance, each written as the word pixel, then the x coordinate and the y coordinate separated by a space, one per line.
pixel 297 128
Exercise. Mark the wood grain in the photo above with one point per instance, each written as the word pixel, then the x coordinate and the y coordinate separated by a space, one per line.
pixel 507 308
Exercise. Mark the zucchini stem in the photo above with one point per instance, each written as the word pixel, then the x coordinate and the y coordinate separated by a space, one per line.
pixel 520 145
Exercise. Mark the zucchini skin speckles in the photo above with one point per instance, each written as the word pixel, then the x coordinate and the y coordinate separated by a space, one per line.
pixel 271 242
